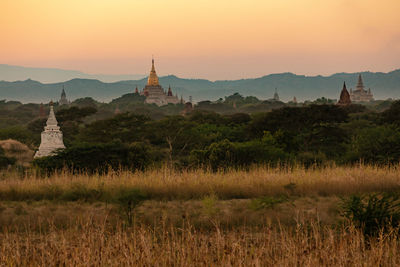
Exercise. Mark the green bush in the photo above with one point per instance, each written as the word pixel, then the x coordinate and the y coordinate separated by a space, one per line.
pixel 5 161
pixel 128 200
pixel 98 158
pixel 267 202
pixel 372 213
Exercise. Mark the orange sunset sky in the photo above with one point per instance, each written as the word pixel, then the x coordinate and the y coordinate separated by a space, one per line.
pixel 213 39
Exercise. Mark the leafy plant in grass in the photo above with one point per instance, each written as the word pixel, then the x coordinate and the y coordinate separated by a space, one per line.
pixel 210 205
pixel 372 213
pixel 128 200
pixel 267 202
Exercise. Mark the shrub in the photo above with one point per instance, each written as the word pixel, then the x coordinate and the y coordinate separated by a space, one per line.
pixel 5 161
pixel 128 200
pixel 372 213
pixel 98 158
pixel 267 202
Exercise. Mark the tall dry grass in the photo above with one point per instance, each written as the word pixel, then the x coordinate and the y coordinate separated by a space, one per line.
pixel 167 184
pixel 54 233
pixel 95 245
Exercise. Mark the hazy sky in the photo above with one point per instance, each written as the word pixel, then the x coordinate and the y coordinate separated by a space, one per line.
pixel 214 39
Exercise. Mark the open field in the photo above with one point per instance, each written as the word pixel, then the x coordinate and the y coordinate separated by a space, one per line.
pixel 265 216
pixel 165 184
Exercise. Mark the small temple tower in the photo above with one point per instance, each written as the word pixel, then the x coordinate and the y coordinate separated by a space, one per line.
pixel 276 96
pixel 63 99
pixel 344 96
pixel 51 138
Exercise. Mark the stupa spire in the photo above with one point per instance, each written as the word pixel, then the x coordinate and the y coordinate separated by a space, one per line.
pixel 360 84
pixel 153 78
pixel 51 137
pixel 344 96
pixel 51 121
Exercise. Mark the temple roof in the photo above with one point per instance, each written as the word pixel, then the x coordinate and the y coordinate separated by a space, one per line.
pixel 153 78
pixel 360 84
pixel 51 121
pixel 344 96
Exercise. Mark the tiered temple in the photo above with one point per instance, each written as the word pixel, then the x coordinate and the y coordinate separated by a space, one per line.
pixel 155 93
pixel 360 94
pixel 51 138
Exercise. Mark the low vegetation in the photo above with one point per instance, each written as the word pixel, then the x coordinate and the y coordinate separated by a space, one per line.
pixel 309 185
pixel 269 216
pixel 264 216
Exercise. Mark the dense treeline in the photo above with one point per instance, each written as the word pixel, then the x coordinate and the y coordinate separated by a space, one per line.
pixel 307 134
pixel 314 134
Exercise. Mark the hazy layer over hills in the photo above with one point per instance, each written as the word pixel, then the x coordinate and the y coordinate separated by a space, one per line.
pixel 51 75
pixel 383 86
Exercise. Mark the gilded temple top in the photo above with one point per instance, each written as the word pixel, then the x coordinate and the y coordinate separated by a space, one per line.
pixel 153 78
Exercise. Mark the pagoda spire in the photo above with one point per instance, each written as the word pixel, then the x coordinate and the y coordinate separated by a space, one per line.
pixel 153 69
pixel 153 78
pixel 360 84
pixel 51 137
pixel 344 96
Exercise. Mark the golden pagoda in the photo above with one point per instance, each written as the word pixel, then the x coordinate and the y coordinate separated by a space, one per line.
pixel 155 93
pixel 153 78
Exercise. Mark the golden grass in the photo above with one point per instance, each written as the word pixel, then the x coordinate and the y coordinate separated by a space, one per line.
pixel 95 245
pixel 194 218
pixel 167 184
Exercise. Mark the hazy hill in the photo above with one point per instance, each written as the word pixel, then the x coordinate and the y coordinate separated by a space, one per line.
pixel 51 75
pixel 383 86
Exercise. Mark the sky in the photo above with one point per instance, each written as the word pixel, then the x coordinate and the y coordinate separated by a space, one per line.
pixel 212 39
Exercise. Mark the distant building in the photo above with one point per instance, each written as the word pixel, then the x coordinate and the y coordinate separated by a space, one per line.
pixel 360 94
pixel 155 93
pixel 344 96
pixel 275 97
pixel 51 137
pixel 63 99
pixel 187 108
pixel 294 100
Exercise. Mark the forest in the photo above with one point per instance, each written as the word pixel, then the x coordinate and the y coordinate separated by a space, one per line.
pixel 235 132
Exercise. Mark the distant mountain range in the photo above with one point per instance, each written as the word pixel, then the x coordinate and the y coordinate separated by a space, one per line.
pixel 383 86
pixel 52 75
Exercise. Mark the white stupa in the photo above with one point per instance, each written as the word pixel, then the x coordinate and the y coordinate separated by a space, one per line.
pixel 51 138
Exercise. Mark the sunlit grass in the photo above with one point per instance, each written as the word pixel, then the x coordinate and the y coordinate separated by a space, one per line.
pixel 167 184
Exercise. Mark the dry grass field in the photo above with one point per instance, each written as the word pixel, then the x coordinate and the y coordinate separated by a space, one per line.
pixel 261 217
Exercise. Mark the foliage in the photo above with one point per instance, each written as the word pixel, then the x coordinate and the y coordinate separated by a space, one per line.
pixel 98 158
pixel 128 200
pixel 4 160
pixel 380 144
pixel 225 154
pixel 267 202
pixel 74 114
pixel 391 115
pixel 235 132
pixel 373 213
